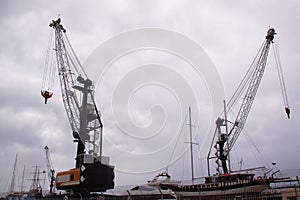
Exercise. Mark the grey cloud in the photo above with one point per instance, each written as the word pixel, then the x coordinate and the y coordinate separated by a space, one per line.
pixel 230 32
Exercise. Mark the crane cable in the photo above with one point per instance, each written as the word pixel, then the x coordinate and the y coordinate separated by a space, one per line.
pixel 239 91
pixel 281 80
pixel 74 59
pixel 241 88
pixel 48 75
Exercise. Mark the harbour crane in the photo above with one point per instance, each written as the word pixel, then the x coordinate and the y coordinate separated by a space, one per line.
pixel 11 189
pixel 226 133
pixel 50 169
pixel 92 172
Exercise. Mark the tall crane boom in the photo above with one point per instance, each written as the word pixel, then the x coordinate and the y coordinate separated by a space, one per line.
pixel 90 174
pixel 251 91
pixel 225 139
pixel 13 177
pixel 66 76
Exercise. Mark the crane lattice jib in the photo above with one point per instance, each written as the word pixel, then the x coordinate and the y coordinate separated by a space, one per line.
pixel 250 92
pixel 66 77
pixel 82 113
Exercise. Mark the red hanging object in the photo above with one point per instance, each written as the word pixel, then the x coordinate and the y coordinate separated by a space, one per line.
pixel 46 94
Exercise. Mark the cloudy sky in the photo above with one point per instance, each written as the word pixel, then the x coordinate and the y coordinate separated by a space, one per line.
pixel 230 32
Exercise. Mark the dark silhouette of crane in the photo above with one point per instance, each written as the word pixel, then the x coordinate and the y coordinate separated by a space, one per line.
pixel 90 174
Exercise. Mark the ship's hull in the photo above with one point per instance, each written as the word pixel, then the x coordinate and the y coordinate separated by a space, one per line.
pixel 235 193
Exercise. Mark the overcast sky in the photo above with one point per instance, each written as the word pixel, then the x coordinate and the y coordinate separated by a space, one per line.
pixel 230 32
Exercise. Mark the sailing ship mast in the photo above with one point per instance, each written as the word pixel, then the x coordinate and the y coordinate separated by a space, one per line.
pixel 191 144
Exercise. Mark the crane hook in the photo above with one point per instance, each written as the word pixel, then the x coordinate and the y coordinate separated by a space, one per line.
pixel 46 94
pixel 288 112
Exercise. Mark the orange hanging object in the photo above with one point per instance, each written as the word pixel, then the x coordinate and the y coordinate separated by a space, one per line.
pixel 46 94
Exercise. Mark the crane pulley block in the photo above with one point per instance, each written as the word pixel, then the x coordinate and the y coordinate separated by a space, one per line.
pixel 46 94
pixel 288 112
